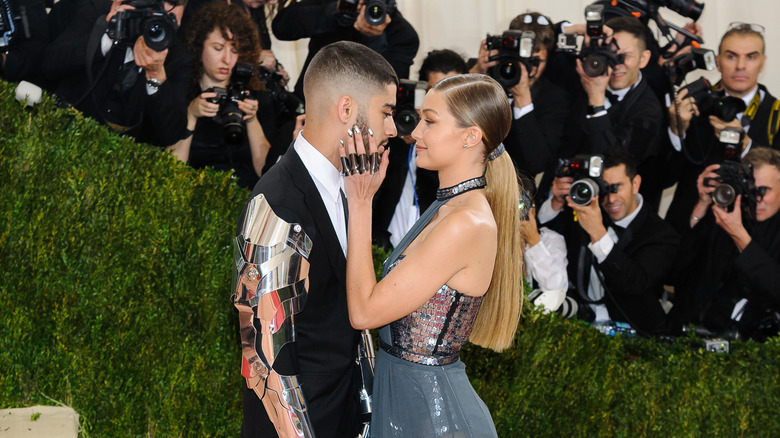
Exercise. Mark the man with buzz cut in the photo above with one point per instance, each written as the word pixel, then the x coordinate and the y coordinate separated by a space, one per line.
pixel 309 377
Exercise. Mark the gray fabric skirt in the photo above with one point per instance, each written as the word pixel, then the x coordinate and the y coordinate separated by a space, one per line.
pixel 421 401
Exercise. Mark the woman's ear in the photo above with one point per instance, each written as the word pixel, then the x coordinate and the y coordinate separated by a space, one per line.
pixel 473 136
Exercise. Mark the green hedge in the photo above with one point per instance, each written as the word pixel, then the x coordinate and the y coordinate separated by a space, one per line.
pixel 114 282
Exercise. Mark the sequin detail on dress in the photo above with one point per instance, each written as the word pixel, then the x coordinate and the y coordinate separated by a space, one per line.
pixel 434 333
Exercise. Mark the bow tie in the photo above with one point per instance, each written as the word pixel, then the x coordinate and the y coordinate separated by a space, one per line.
pixel 612 97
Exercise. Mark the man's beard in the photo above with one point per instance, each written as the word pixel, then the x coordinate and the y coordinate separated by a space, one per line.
pixel 362 124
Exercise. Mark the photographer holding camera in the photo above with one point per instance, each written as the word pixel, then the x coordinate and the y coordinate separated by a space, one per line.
pixel 539 107
pixel 696 123
pixel 228 115
pixel 728 266
pixel 122 64
pixel 618 263
pixel 377 24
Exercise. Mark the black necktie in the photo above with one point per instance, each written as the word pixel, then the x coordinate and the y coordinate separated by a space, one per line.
pixel 344 205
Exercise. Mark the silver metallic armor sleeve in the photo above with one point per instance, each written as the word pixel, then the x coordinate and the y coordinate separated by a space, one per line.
pixel 270 286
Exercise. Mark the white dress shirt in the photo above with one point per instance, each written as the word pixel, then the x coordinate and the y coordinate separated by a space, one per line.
pixel 329 182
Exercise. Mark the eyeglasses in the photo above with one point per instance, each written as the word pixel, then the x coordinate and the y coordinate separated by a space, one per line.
pixel 541 19
pixel 736 25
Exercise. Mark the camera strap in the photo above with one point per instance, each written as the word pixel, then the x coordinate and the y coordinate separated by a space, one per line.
pixel 774 122
pixel 92 46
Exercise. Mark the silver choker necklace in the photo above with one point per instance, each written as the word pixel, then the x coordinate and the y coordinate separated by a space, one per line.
pixel 465 186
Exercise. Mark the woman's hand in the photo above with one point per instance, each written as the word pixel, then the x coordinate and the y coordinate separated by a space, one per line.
pixel 364 170
pixel 201 107
pixel 249 107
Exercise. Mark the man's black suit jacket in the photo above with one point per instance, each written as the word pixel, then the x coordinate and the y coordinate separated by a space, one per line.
pixel 634 271
pixel 326 344
pixel 633 124
pixel 159 118
pixel 703 149
pixel 534 139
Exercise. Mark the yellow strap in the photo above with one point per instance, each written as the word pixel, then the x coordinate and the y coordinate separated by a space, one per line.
pixel 774 114
pixel 752 109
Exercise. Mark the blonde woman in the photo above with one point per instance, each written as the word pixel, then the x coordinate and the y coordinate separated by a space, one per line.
pixel 456 274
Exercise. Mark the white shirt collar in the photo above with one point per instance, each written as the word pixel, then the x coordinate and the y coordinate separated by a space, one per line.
pixel 319 167
pixel 626 221
pixel 749 97
pixel 622 92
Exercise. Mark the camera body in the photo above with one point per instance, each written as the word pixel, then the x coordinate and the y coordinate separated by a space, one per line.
pixel 288 105
pixel 679 66
pixel 586 172
pixel 597 57
pixel 376 11
pixel 407 101
pixel 714 102
pixel 734 179
pixel 229 115
pixel 149 19
pixel 513 47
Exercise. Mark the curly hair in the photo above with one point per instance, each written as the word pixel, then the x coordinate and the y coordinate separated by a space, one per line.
pixel 228 18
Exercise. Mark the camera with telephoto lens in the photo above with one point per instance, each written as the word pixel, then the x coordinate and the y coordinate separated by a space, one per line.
pixel 229 115
pixel 679 66
pixel 12 21
pixel 407 101
pixel 514 48
pixel 734 179
pixel 598 56
pixel 288 105
pixel 714 102
pixel 686 8
pixel 149 19
pixel 585 170
pixel 376 11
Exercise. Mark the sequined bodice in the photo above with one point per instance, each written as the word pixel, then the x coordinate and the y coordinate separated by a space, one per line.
pixel 434 333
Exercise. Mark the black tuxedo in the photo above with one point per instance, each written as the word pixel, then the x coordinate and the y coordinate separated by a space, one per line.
pixel 712 276
pixel 326 344
pixel 703 149
pixel 534 139
pixel 634 271
pixel 159 118
pixel 386 199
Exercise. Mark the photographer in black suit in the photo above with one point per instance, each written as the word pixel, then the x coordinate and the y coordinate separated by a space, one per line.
pixel 695 135
pixel 121 81
pixel 347 85
pixel 618 109
pixel 539 107
pixel 728 267
pixel 618 263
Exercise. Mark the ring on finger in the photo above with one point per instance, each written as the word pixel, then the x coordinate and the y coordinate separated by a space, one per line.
pixel 354 164
pixel 364 163
pixel 375 159
pixel 345 166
